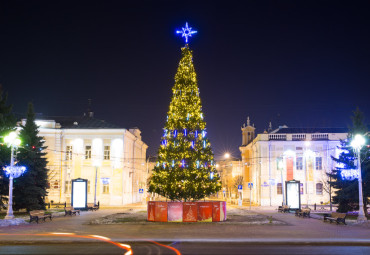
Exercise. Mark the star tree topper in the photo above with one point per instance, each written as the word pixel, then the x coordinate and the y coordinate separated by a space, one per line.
pixel 186 32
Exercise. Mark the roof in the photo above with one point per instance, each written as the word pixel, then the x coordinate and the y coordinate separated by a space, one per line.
pixel 84 122
pixel 309 130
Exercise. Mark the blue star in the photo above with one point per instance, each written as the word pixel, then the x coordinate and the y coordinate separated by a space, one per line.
pixel 186 32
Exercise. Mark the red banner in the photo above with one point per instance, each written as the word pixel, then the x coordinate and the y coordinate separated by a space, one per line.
pixel 160 211
pixel 205 211
pixel 289 169
pixel 216 211
pixel 190 212
pixel 151 210
pixel 174 212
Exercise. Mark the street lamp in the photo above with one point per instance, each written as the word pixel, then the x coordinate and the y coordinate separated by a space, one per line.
pixel 12 171
pixel 227 155
pixel 357 144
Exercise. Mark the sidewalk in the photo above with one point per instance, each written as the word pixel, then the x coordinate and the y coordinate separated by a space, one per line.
pixel 297 230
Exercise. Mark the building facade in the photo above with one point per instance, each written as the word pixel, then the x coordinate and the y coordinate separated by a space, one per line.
pixel 286 154
pixel 111 158
pixel 230 171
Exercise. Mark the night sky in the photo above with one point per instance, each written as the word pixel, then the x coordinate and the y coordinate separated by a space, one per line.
pixel 299 63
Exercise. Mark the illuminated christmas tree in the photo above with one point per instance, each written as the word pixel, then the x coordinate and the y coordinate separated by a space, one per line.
pixel 185 169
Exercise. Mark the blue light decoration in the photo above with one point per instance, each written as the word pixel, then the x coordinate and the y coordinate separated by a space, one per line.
pixel 157 164
pixel 196 133
pixel 192 144
pixel 175 133
pixel 164 165
pixel 186 32
pixel 349 174
pixel 173 163
pixel 185 132
pixel 183 163
pixel 15 171
pixel 187 118
pixel 165 133
pixel 201 115
pixel 197 163
pixel 204 133
pixel 204 144
pixel 211 175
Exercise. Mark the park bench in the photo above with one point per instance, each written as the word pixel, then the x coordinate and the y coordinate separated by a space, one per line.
pixel 92 206
pixel 304 212
pixel 37 215
pixel 284 208
pixel 71 211
pixel 337 217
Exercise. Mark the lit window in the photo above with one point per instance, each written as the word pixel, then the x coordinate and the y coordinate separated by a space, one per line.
pixel 106 188
pixel 69 152
pixel 107 152
pixel 319 188
pixel 299 163
pixel 318 163
pixel 279 189
pixel 88 152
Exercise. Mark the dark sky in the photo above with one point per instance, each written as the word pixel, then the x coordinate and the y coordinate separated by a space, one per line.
pixel 299 63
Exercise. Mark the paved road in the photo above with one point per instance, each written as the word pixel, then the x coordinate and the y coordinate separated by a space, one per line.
pixel 190 238
pixel 183 248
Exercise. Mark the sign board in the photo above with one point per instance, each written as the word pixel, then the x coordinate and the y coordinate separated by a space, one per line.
pixel 141 191
pixel 264 184
pixel 79 193
pixel 240 188
pixel 293 195
pixel 250 185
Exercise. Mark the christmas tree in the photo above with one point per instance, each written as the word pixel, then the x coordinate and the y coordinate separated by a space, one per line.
pixel 185 168
pixel 30 188
pixel 346 189
pixel 7 124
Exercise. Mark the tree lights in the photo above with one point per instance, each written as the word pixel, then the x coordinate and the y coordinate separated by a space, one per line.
pixel 185 169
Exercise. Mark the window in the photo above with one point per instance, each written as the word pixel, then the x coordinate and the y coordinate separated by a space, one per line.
pixel 69 152
pixel 106 152
pixel 88 152
pixel 319 188
pixel 88 186
pixel 279 164
pixel 279 189
pixel 106 188
pixel 67 187
pixel 318 163
pixel 301 188
pixel 299 163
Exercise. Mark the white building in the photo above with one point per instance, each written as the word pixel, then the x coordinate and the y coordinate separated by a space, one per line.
pixel 111 158
pixel 301 154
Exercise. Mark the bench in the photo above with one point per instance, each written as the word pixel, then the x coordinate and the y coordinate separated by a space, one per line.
pixel 284 208
pixel 37 215
pixel 92 206
pixel 71 211
pixel 337 217
pixel 304 212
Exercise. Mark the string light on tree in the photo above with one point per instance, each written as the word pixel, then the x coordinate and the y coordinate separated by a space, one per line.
pixel 192 175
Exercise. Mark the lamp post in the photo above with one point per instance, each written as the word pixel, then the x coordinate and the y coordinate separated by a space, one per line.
pixel 307 154
pixel 357 144
pixel 12 171
pixel 97 163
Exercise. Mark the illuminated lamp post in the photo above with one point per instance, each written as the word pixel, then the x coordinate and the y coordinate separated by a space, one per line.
pixel 12 171
pixel 357 144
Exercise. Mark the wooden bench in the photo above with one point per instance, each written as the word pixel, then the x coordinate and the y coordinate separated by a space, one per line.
pixel 71 211
pixel 337 217
pixel 92 207
pixel 304 212
pixel 284 208
pixel 36 215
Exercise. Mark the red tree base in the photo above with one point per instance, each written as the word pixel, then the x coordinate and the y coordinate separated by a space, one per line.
pixel 210 211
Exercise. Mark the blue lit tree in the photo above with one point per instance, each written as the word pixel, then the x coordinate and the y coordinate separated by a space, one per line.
pixel 346 189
